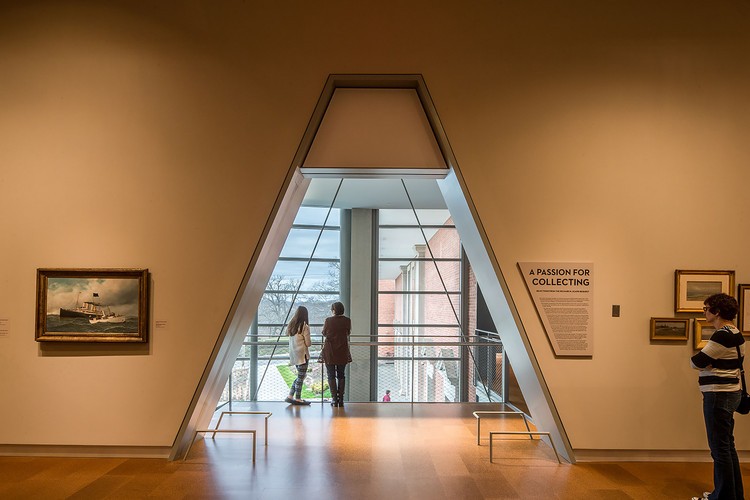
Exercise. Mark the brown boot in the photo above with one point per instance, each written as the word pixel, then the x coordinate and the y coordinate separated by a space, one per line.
pixel 334 391
pixel 341 387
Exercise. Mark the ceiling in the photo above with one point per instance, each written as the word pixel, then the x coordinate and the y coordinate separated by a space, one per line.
pixel 374 193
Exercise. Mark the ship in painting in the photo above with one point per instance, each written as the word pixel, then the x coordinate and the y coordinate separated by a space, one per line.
pixel 93 311
pixel 107 316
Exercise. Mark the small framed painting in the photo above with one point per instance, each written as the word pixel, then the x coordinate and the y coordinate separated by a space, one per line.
pixel 743 316
pixel 693 287
pixel 702 333
pixel 92 305
pixel 670 329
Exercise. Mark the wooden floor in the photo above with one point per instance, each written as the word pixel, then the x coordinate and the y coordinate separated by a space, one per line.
pixel 389 451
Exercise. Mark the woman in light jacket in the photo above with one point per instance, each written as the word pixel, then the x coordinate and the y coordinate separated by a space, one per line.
pixel 299 354
pixel 336 354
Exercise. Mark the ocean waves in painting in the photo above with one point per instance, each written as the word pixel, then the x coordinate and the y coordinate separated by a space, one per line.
pixel 57 324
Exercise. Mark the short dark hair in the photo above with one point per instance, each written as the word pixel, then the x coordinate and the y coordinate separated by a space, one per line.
pixel 337 308
pixel 723 305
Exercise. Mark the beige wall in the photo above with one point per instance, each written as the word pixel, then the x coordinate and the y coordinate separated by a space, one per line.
pixel 135 134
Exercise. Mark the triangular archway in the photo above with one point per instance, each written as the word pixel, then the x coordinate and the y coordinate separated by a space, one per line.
pixel 370 136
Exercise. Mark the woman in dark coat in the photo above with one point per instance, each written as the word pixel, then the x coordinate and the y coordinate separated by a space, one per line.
pixel 336 354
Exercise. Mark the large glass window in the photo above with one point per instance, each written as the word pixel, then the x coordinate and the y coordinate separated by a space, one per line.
pixel 430 349
pixel 419 306
pixel 307 274
pixel 427 342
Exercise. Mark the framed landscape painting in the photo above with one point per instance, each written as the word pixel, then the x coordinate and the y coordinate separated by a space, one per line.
pixel 743 316
pixel 670 329
pixel 693 287
pixel 92 305
pixel 702 334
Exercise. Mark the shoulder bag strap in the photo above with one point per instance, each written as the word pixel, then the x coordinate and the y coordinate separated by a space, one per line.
pixel 742 370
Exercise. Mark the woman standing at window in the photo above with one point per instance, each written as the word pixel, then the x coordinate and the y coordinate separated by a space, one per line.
pixel 336 354
pixel 299 353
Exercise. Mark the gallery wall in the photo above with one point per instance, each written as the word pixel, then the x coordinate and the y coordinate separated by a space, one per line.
pixel 157 135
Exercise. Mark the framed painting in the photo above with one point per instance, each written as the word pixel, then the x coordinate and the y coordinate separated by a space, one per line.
pixel 702 333
pixel 693 287
pixel 743 316
pixel 670 329
pixel 92 305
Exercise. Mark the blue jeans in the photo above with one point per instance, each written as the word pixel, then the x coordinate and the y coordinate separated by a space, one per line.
pixel 718 413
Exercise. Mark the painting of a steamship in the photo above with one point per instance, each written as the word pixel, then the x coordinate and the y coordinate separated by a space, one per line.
pixel 94 312
pixel 91 305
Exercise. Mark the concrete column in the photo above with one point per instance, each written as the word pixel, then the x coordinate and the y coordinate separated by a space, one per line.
pixel 361 300
pixel 345 254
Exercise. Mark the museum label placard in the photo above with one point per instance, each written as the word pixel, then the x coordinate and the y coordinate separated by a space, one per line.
pixel 563 296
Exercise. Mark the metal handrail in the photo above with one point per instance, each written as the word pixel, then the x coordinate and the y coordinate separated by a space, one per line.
pixel 406 344
pixel 491 340
pixel 386 335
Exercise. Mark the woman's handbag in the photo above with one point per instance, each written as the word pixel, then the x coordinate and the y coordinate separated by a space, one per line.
pixel 320 356
pixel 744 406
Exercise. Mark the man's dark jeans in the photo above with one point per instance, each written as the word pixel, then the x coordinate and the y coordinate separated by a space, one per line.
pixel 718 413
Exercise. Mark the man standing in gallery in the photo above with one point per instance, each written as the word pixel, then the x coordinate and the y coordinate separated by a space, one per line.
pixel 720 362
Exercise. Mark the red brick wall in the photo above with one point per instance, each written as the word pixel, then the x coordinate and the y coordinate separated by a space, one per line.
pixel 387 314
pixel 438 308
pixel 444 243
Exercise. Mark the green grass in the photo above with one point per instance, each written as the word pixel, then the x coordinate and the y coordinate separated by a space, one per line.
pixel 288 374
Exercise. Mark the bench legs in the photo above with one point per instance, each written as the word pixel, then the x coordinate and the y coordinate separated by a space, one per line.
pixel 266 413
pixel 529 433
pixel 214 431
pixel 478 416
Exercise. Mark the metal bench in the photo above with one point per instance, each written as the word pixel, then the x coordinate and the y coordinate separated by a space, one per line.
pixel 266 413
pixel 214 431
pixel 478 416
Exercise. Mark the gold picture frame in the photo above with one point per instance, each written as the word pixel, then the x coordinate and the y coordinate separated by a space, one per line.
pixel 743 315
pixel 92 305
pixel 672 329
pixel 702 332
pixel 693 287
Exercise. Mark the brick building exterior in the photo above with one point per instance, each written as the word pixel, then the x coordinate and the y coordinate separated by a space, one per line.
pixel 436 378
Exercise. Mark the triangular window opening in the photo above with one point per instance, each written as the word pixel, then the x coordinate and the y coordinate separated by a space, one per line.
pixel 424 343
pixel 390 251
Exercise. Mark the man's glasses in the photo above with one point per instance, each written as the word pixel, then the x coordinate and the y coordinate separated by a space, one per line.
pixel 706 308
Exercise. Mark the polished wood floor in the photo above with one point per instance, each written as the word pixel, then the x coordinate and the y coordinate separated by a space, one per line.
pixel 389 451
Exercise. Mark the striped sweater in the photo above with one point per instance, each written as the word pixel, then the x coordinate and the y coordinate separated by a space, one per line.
pixel 718 363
